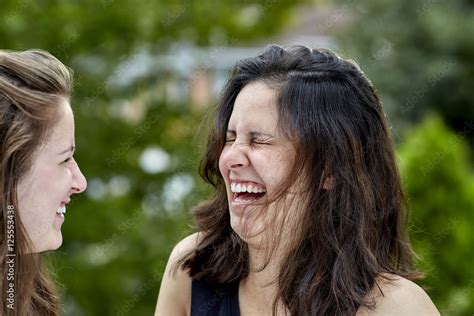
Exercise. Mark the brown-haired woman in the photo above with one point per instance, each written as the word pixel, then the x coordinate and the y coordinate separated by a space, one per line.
pixel 308 215
pixel 38 175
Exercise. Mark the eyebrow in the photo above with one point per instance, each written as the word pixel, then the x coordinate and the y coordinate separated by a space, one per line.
pixel 70 149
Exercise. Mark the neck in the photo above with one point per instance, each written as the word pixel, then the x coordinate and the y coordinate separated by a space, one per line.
pixel 258 260
pixel 261 286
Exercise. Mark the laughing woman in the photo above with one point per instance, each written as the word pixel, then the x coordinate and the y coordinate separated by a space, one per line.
pixel 38 175
pixel 308 215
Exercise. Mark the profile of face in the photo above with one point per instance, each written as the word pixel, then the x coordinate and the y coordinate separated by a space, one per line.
pixel 46 189
pixel 255 160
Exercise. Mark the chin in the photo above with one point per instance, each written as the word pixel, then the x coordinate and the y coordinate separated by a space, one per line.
pixel 246 229
pixel 54 243
pixel 57 243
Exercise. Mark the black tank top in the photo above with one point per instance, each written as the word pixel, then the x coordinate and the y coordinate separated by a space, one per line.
pixel 207 300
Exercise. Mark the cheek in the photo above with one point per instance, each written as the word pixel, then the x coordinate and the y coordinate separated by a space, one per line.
pixel 66 176
pixel 276 166
pixel 52 186
pixel 31 192
pixel 221 163
pixel 60 185
pixel 34 206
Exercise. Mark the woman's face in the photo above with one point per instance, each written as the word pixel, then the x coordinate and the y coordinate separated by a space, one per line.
pixel 255 160
pixel 46 189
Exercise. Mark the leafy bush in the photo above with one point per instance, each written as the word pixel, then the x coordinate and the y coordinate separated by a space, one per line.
pixel 439 181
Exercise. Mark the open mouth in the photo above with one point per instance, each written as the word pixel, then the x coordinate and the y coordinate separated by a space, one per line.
pixel 247 192
pixel 61 210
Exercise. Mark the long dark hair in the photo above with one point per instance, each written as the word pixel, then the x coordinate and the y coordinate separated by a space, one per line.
pixel 33 84
pixel 348 235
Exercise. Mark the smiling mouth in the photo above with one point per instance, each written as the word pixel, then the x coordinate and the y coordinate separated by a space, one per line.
pixel 246 193
pixel 61 210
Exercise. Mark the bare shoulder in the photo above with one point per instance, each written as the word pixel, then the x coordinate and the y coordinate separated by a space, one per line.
pixel 174 297
pixel 399 296
pixel 185 245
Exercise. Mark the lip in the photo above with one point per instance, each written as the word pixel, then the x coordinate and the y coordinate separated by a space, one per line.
pixel 63 204
pixel 244 181
pixel 58 221
pixel 238 206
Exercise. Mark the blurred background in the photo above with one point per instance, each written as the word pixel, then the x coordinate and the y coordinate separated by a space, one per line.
pixel 146 74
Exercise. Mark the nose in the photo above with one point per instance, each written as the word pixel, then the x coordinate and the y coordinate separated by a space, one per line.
pixel 79 183
pixel 235 156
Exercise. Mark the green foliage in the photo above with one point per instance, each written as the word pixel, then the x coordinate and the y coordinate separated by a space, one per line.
pixel 440 185
pixel 118 236
pixel 419 54
pixel 116 244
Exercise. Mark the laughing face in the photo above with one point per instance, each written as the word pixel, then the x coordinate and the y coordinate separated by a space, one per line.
pixel 46 189
pixel 255 160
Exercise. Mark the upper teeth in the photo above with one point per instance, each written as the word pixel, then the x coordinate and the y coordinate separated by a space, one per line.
pixel 61 210
pixel 237 187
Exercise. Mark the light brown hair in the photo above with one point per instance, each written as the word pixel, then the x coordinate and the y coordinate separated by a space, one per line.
pixel 33 84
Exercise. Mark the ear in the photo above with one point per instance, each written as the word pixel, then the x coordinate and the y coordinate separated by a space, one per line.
pixel 328 183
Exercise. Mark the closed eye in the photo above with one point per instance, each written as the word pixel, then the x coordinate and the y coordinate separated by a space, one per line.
pixel 230 137
pixel 261 138
pixel 254 138
pixel 261 141
pixel 67 159
pixel 70 150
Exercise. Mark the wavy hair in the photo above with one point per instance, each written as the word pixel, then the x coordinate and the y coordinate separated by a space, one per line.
pixel 32 86
pixel 347 235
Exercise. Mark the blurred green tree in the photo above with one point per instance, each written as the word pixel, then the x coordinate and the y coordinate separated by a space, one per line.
pixel 440 186
pixel 419 54
pixel 138 149
pixel 117 237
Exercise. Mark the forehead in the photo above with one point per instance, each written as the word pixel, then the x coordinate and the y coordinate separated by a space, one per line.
pixel 255 106
pixel 65 123
pixel 63 131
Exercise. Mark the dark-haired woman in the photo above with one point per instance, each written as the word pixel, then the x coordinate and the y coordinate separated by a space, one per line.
pixel 38 176
pixel 308 215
